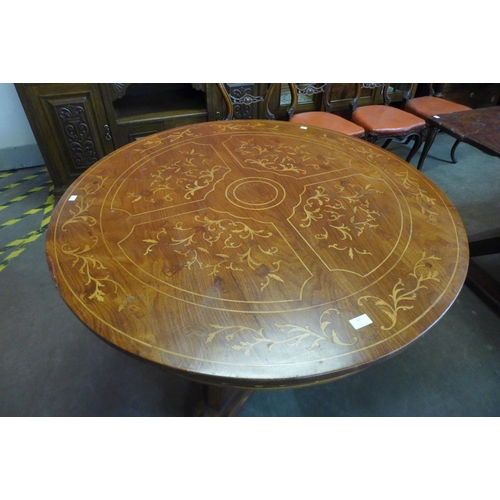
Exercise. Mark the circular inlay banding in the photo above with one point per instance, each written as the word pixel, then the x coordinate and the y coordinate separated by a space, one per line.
pixel 255 193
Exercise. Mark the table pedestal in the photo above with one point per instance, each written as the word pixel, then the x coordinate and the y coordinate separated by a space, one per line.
pixel 221 401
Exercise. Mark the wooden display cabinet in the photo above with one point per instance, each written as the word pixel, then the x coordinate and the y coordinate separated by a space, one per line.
pixel 137 110
pixel 70 126
pixel 77 124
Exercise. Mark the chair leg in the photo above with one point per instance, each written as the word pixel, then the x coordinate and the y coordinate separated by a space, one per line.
pixel 453 149
pixel 386 143
pixel 416 146
pixel 429 139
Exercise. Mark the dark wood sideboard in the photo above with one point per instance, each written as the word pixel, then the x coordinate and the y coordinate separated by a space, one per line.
pixel 77 124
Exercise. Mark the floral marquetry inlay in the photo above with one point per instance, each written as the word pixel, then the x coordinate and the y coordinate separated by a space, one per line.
pixel 245 339
pixel 256 253
pixel 340 220
pixel 402 295
pixel 282 157
pixel 183 175
pixel 206 253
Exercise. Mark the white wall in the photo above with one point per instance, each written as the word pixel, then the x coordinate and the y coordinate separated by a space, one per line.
pixel 14 127
pixel 18 147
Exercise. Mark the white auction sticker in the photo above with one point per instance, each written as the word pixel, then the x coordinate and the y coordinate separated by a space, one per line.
pixel 360 321
pixel 73 197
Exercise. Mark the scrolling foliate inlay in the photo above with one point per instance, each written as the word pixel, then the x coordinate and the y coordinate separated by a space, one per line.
pixel 341 219
pixel 424 201
pixel 162 184
pixel 283 158
pixel 77 229
pixel 146 145
pixel 372 156
pixel 226 126
pixel 180 176
pixel 93 270
pixel 182 134
pixel 349 215
pixel 83 203
pixel 403 295
pixel 393 165
pixel 289 335
pixel 217 247
pixel 165 138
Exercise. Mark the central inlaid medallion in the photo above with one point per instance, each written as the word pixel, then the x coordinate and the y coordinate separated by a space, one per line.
pixel 255 193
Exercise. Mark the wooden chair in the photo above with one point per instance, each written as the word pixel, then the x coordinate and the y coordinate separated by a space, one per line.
pixel 430 105
pixel 240 98
pixel 324 116
pixel 383 121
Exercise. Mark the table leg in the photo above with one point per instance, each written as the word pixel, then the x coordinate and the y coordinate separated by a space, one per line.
pixel 453 149
pixel 429 139
pixel 221 401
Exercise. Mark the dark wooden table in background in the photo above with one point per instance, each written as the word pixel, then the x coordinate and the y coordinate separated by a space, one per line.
pixel 256 254
pixel 479 128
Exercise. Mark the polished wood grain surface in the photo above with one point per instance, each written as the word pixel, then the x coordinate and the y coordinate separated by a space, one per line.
pixel 257 254
pixel 477 127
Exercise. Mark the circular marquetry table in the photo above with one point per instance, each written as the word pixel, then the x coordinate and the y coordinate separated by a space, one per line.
pixel 257 254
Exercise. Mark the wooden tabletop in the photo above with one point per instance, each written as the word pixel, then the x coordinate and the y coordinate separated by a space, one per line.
pixel 257 254
pixel 478 127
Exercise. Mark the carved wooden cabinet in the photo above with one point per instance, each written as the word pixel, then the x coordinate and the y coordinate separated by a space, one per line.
pixel 79 123
pixel 70 126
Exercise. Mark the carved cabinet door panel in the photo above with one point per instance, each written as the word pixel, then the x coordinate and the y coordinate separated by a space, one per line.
pixel 70 125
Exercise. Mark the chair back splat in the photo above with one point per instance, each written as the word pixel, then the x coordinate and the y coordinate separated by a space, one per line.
pixel 323 116
pixel 245 101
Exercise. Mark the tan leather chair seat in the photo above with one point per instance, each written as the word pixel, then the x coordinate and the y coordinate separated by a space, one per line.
pixel 427 106
pixel 329 121
pixel 386 120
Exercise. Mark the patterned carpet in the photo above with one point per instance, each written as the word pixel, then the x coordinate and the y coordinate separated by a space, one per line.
pixel 26 203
